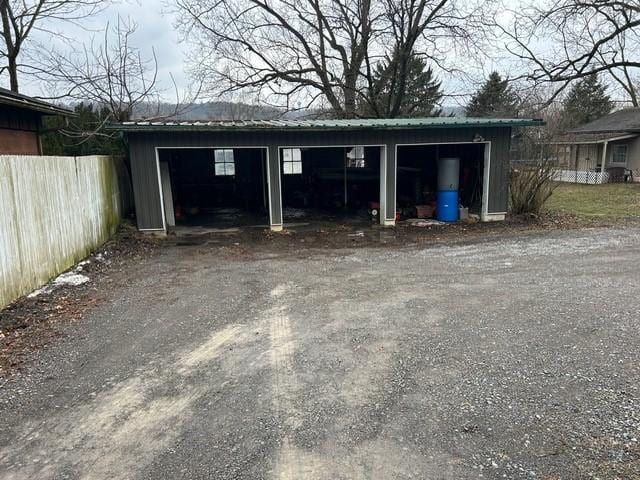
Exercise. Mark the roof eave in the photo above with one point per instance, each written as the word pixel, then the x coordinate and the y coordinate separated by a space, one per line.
pixel 43 109
pixel 614 138
pixel 217 128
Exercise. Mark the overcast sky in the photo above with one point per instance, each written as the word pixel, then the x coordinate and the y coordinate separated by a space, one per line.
pixel 155 30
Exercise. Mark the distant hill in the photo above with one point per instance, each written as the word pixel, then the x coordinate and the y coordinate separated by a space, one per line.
pixel 220 111
pixel 453 111
pixel 211 111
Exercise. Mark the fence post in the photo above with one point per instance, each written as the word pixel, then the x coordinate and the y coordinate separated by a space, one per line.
pixel 604 160
pixel 576 162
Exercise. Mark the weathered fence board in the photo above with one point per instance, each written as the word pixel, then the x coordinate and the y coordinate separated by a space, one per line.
pixel 53 212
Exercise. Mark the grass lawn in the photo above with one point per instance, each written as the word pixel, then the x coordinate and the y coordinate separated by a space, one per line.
pixel 612 200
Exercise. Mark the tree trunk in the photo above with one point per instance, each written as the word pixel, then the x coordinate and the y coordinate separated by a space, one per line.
pixel 349 93
pixel 13 73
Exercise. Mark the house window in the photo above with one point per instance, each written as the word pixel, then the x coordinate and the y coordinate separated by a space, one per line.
pixel 619 154
pixel 224 162
pixel 291 161
pixel 355 157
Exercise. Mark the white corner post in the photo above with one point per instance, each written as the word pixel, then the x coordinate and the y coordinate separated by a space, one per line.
pixel 275 188
pixel 485 216
pixel 167 194
pixel 388 172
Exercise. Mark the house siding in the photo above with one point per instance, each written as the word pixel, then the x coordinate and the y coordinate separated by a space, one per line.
pixel 145 176
pixel 19 142
pixel 633 154
pixel 19 131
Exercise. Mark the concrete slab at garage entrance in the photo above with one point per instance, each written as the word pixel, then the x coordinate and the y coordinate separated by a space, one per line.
pixel 147 139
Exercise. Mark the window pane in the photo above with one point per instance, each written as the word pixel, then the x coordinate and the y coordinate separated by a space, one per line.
pixel 286 154
pixel 228 156
pixel 355 152
pixel 296 155
pixel 288 168
pixel 219 156
pixel 619 154
pixel 230 168
pixel 220 168
pixel 355 163
pixel 297 167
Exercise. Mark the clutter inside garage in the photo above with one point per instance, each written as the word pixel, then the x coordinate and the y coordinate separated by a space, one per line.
pixel 215 187
pixel 439 181
pixel 332 182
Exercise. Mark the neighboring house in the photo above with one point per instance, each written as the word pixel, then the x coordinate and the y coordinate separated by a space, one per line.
pixel 21 123
pixel 607 149
pixel 266 173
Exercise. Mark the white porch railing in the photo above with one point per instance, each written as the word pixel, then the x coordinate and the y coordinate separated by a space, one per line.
pixel 582 176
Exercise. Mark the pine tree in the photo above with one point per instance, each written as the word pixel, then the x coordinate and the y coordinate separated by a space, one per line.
pixel 82 135
pixel 494 99
pixel 421 96
pixel 586 101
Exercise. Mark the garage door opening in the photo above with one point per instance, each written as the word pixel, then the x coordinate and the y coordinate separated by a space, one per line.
pixel 214 187
pixel 417 178
pixel 330 182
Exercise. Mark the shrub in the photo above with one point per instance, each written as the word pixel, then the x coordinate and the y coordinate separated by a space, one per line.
pixel 530 187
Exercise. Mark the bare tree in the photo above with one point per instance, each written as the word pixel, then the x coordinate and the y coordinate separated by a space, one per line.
pixel 110 74
pixel 113 76
pixel 20 18
pixel 290 51
pixel 561 41
pixel 420 29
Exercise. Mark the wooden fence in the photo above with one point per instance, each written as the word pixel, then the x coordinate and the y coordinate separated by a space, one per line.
pixel 53 212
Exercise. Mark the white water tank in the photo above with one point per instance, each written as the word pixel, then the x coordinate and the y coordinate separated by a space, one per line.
pixel 448 173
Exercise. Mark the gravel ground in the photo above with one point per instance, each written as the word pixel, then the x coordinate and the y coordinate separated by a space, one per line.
pixel 513 358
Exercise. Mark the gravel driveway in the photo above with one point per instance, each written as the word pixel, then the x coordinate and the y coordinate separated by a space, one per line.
pixel 517 358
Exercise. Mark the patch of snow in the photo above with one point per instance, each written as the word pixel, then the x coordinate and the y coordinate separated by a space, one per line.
pixel 71 278
pixel 40 291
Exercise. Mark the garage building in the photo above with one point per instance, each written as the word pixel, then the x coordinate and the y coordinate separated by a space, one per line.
pixel 261 172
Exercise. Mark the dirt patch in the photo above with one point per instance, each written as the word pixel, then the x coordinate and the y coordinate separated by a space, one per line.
pixel 31 322
pixel 301 239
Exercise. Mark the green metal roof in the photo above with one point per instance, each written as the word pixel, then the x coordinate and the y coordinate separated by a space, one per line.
pixel 312 125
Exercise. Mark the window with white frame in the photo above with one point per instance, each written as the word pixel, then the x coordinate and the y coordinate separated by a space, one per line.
pixel 619 154
pixel 355 157
pixel 291 161
pixel 224 162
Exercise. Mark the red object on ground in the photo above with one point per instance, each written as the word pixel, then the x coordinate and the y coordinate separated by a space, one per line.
pixel 424 211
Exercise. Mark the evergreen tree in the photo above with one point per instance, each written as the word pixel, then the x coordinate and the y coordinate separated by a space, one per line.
pixel 494 99
pixel 82 135
pixel 586 101
pixel 420 98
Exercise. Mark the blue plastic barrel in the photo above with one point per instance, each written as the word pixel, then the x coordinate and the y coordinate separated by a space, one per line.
pixel 447 206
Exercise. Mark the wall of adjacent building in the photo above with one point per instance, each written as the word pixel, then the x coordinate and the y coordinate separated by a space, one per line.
pixel 19 131
pixel 633 154
pixel 19 142
pixel 54 211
